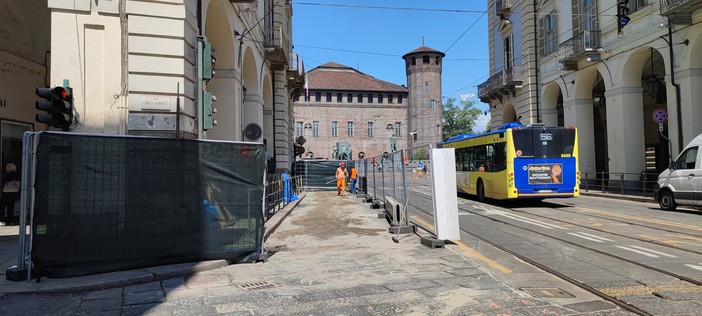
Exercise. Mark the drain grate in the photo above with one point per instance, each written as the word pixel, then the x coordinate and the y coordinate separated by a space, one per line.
pixel 257 285
pixel 553 292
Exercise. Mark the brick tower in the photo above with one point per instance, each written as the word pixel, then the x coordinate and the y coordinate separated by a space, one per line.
pixel 423 66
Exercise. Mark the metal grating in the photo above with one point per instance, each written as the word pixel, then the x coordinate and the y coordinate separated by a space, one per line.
pixel 552 292
pixel 253 286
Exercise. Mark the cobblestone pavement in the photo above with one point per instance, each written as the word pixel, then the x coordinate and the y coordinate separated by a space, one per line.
pixel 330 256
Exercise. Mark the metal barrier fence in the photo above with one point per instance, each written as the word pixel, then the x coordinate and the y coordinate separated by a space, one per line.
pixel 620 182
pixel 100 203
pixel 402 177
pixel 276 194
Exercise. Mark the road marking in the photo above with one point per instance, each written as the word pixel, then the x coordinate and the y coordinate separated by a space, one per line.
pixel 469 250
pixel 637 251
pixel 645 251
pixel 589 237
pixel 655 251
pixel 526 220
pixel 696 267
pixel 655 221
pixel 482 258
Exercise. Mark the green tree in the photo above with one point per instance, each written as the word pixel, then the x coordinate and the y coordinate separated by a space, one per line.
pixel 458 118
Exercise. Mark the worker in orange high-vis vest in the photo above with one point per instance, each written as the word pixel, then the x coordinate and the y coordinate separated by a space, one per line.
pixel 341 175
pixel 354 175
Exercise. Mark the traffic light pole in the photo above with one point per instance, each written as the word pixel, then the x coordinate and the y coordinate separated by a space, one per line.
pixel 200 86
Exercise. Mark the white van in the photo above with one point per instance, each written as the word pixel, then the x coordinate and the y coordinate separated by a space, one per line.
pixel 681 183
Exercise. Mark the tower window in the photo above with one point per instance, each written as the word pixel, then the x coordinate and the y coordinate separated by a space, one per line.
pixel 432 103
pixel 425 59
pixel 370 98
pixel 318 96
pixel 426 86
pixel 338 97
pixel 360 98
pixel 349 98
pixel 390 98
pixel 414 61
pixel 328 96
pixel 380 98
pixel 399 99
pixel 437 60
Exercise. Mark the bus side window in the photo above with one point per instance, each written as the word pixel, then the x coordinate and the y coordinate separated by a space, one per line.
pixel 500 158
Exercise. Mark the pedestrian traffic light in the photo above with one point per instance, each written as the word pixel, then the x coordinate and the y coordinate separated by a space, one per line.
pixel 58 105
pixel 208 110
pixel 622 14
pixel 208 61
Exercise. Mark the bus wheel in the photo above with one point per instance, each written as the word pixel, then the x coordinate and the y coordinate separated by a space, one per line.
pixel 481 191
pixel 666 201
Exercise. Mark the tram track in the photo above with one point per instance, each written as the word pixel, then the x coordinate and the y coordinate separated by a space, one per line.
pixel 564 276
pixel 615 233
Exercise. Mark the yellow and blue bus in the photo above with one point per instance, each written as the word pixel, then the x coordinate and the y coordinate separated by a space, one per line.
pixel 518 162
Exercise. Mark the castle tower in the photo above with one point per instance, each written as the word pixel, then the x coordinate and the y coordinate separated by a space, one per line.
pixel 423 66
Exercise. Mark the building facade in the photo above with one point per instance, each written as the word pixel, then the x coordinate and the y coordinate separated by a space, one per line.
pixel 136 68
pixel 629 88
pixel 348 112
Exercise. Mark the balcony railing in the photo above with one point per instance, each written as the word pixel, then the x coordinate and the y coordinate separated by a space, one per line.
pixel 276 46
pixel 503 82
pixel 578 46
pixel 680 11
pixel 503 7
pixel 296 74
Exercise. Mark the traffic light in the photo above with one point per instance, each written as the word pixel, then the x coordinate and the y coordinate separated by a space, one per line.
pixel 299 150
pixel 622 14
pixel 208 110
pixel 208 61
pixel 58 105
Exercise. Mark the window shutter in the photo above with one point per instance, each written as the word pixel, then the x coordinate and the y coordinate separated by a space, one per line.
pixel 542 43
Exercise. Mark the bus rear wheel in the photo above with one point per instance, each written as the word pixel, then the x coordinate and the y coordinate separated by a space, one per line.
pixel 481 191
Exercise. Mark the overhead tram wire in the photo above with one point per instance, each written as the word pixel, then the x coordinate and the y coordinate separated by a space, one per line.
pixel 386 8
pixel 466 31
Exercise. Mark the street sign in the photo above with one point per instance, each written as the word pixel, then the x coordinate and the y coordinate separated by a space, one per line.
pixel 660 115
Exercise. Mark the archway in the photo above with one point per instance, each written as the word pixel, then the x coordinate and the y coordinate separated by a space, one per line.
pixel 655 107
pixel 552 106
pixel 218 33
pixel 509 114
pixel 252 118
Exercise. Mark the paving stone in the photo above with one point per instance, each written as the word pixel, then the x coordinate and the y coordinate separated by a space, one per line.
pixel 410 285
pixel 679 296
pixel 348 310
pixel 139 298
pixel 104 294
pixel 214 298
pixel 592 306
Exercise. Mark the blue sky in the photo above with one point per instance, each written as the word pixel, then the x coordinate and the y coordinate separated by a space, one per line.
pixel 372 36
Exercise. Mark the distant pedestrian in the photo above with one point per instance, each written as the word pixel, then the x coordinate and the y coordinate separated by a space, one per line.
pixel 354 175
pixel 341 175
pixel 10 193
pixel 424 168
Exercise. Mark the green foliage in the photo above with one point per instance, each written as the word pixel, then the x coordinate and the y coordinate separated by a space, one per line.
pixel 420 154
pixel 488 128
pixel 458 119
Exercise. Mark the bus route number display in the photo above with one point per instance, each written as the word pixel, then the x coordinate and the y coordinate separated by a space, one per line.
pixel 545 173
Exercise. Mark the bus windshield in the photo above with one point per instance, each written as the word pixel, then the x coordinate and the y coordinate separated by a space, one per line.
pixel 544 142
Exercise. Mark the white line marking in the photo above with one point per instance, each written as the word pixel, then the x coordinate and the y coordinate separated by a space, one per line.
pixel 595 236
pixel 586 237
pixel 654 251
pixel 638 251
pixel 530 221
pixel 694 266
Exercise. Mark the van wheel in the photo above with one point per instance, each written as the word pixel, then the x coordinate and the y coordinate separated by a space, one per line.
pixel 481 191
pixel 667 201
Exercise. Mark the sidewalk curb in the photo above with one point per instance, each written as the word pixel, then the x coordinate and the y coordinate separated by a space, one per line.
pixel 274 222
pixel 111 280
pixel 619 197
